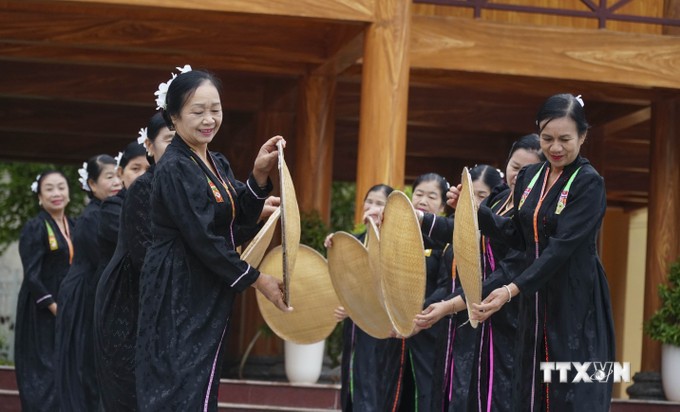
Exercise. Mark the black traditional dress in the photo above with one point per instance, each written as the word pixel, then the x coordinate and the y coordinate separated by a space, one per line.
pixel 109 223
pixel 565 311
pixel 493 361
pixel 190 278
pixel 369 370
pixel 76 376
pixel 422 357
pixel 46 257
pixel 117 298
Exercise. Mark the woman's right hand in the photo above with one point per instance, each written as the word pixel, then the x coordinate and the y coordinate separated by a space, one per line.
pixel 452 195
pixel 328 242
pixel 432 314
pixel 340 314
pixel 271 288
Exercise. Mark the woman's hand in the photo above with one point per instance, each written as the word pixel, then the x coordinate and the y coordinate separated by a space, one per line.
pixel 432 314
pixel 270 205
pixel 271 288
pixel 266 159
pixel 492 304
pixel 53 308
pixel 328 242
pixel 452 195
pixel 340 314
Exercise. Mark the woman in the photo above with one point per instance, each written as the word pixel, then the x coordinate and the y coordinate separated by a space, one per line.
pixel 46 251
pixel 132 163
pixel 492 360
pixel 191 271
pixel 117 298
pixel 429 197
pixel 565 311
pixel 367 370
pixel 76 380
pixel 455 343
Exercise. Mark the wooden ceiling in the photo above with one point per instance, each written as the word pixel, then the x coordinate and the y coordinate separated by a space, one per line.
pixel 77 79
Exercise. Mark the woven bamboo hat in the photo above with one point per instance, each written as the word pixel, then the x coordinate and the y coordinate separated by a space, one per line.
pixel 290 224
pixel 402 262
pixel 373 247
pixel 315 299
pixel 258 246
pixel 466 244
pixel 353 282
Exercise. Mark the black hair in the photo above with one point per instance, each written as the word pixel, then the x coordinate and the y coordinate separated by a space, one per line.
pixel 429 177
pixel 181 88
pixel 49 172
pixel 530 143
pixel 562 105
pixel 489 175
pixel 132 150
pixel 156 123
pixel 385 189
pixel 95 165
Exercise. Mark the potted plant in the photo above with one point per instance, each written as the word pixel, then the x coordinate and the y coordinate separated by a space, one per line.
pixel 664 326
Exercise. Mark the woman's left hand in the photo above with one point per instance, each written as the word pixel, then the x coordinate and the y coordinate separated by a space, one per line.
pixel 270 205
pixel 492 304
pixel 266 159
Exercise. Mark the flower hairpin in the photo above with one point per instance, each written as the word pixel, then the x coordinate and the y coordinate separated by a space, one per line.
pixel 579 99
pixel 142 135
pixel 82 172
pixel 162 92
pixel 34 185
pixel 118 158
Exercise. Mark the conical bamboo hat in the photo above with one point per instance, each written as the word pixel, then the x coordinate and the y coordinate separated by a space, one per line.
pixel 312 319
pixel 402 262
pixel 466 244
pixel 354 285
pixel 260 243
pixel 290 224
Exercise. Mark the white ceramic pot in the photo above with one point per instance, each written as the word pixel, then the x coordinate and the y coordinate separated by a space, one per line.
pixel 303 362
pixel 670 371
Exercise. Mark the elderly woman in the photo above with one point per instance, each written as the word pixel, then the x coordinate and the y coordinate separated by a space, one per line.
pixel 191 271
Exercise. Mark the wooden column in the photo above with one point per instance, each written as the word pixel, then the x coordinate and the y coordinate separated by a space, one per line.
pixel 384 98
pixel 313 169
pixel 663 242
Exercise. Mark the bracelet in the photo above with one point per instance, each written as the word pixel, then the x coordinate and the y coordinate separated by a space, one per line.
pixel 509 293
pixel 453 308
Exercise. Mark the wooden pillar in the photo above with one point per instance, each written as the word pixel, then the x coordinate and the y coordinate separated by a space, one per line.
pixel 384 99
pixel 313 169
pixel 663 242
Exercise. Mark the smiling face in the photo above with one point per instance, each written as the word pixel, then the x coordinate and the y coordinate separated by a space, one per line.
pixel 427 197
pixel 200 117
pixel 54 193
pixel 560 141
pixel 519 159
pixel 133 169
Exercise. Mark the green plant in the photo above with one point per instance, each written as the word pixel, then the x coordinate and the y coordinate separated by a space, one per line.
pixel 664 325
pixel 342 205
pixel 19 204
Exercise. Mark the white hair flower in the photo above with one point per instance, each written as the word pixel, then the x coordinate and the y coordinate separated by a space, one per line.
pixel 162 92
pixel 500 172
pixel 82 172
pixel 118 159
pixel 579 99
pixel 142 135
pixel 34 185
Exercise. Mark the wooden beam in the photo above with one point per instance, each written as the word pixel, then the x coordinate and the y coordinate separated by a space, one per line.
pixel 384 99
pixel 550 52
pixel 351 10
pixel 628 121
pixel 663 243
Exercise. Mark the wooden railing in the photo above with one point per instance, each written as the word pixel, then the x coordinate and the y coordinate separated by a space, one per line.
pixel 600 11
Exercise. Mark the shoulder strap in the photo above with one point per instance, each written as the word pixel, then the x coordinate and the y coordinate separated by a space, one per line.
pixel 530 187
pixel 562 202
